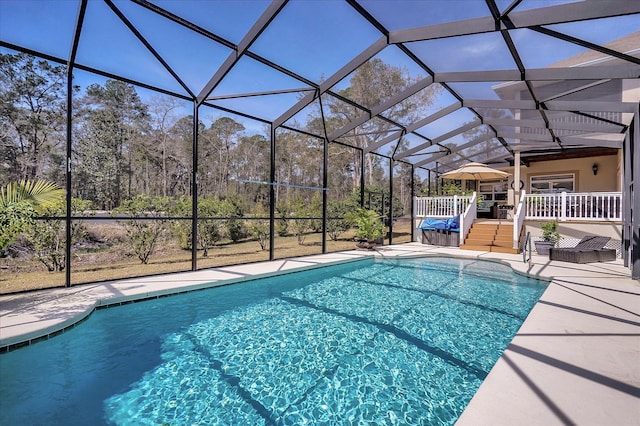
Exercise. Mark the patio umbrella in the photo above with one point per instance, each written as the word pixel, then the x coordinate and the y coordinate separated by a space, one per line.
pixel 475 171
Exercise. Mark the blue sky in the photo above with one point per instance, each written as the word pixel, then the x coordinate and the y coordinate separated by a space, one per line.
pixel 313 38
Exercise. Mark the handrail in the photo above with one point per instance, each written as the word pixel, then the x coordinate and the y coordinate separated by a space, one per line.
pixel 527 240
pixel 518 219
pixel 467 217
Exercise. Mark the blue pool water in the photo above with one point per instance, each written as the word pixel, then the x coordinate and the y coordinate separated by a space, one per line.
pixel 371 342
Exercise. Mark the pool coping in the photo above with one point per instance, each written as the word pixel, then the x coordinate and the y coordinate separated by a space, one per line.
pixel 74 305
pixel 575 359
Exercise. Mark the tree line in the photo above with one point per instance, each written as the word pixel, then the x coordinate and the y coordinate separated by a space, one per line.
pixel 123 147
pixel 135 158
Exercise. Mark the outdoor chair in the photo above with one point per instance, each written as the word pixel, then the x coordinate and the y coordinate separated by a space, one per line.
pixel 589 249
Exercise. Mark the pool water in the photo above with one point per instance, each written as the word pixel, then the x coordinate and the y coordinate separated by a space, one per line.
pixel 372 342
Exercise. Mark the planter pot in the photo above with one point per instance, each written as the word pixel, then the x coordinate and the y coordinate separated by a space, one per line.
pixel 366 244
pixel 543 247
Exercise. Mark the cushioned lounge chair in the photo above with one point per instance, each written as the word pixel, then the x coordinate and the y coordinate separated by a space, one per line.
pixel 589 249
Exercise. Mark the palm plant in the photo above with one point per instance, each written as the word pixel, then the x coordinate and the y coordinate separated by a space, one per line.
pixel 36 193
pixel 18 204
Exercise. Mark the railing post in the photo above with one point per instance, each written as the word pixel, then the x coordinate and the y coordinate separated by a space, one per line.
pixel 563 206
pixel 415 208
pixel 455 205
pixel 518 218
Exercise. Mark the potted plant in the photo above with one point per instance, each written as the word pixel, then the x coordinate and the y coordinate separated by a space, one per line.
pixel 550 236
pixel 369 227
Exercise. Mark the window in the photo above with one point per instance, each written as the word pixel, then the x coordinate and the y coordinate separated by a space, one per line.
pixel 493 190
pixel 552 183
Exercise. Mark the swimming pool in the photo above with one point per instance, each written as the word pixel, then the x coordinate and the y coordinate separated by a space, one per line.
pixel 384 342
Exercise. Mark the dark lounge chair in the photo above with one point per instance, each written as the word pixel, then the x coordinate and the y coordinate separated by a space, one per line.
pixel 589 249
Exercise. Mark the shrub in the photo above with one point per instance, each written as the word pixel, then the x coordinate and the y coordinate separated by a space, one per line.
pixel 147 225
pixel 259 229
pixel 209 231
pixel 550 232
pixel 368 224
pixel 282 224
pixel 299 227
pixel 377 199
pixel 302 222
pixel 315 210
pixel 48 236
pixel 15 218
pixel 336 223
pixel 181 229
pixel 234 228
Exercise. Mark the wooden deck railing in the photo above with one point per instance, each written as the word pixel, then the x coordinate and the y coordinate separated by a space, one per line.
pixel 564 206
pixel 437 207
pixel 578 206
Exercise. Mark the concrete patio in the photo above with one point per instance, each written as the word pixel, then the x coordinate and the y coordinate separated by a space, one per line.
pixel 575 360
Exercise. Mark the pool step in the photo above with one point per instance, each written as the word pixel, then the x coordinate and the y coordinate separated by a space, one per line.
pixel 493 237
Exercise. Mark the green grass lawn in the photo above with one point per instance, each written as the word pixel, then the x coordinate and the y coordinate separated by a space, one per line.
pixel 116 261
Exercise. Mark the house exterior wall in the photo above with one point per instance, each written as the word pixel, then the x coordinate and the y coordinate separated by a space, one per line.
pixel 577 230
pixel 608 178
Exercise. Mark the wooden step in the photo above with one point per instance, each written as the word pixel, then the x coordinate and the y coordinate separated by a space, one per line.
pixel 502 236
pixel 485 242
pixel 492 237
pixel 494 249
pixel 492 225
pixel 495 229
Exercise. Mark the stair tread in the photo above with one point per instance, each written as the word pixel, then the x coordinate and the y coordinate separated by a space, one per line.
pixel 495 249
pixel 491 237
pixel 492 231
pixel 489 243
